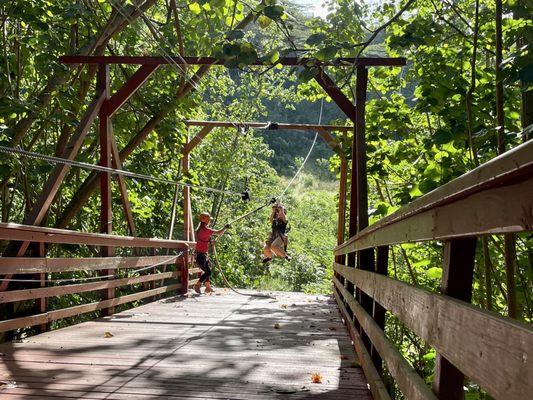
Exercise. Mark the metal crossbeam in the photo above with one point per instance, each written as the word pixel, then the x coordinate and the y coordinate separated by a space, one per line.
pixel 286 61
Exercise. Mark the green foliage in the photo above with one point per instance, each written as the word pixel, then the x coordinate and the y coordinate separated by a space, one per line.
pixel 420 134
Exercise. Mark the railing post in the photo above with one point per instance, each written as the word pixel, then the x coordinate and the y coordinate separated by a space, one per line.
pixel 365 258
pixel 105 178
pixel 457 276
pixel 378 312
pixel 183 263
pixel 186 196
pixel 41 303
pixel 341 221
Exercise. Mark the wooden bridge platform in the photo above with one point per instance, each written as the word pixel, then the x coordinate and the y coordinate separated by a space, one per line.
pixel 222 346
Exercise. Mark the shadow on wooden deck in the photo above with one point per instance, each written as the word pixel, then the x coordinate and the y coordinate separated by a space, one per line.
pixel 209 347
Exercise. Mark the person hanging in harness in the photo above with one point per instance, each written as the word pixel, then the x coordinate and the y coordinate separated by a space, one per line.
pixel 277 241
pixel 203 238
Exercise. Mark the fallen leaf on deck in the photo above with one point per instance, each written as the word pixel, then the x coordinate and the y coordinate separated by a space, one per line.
pixel 276 326
pixel 332 328
pixel 316 378
pixel 344 357
pixel 284 306
pixel 108 335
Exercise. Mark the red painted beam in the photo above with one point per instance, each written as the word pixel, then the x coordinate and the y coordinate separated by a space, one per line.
pixel 287 61
pixel 336 95
pixel 129 88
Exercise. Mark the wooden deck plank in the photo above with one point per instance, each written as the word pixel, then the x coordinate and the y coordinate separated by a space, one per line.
pixel 223 346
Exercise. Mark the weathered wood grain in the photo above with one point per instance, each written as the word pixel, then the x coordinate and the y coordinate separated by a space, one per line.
pixel 11 231
pixel 23 322
pixel 410 383
pixel 479 214
pixel 28 294
pixel 493 351
pixel 459 207
pixel 222 346
pixel 377 387
pixel 32 265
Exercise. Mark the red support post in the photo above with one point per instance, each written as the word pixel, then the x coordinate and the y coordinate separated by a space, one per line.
pixel 341 221
pixel 183 263
pixel 365 258
pixel 105 178
pixel 186 199
pixel 129 88
pixel 457 276
pixel 352 221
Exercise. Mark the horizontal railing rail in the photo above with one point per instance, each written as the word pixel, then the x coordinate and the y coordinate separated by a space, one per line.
pixel 493 351
pixel 149 271
pixel 470 338
pixel 470 205
pixel 27 233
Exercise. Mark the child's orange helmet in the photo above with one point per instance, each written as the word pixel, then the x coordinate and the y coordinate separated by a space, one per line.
pixel 205 217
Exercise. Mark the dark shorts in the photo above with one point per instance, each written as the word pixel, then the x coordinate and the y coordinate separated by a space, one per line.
pixel 203 262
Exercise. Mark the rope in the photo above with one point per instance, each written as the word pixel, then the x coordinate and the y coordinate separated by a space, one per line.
pixel 91 278
pixel 100 168
pixel 265 296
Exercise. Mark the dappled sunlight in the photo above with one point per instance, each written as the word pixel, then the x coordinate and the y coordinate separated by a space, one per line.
pixel 195 346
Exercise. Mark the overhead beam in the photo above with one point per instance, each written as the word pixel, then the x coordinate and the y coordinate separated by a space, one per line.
pixel 280 126
pixel 286 61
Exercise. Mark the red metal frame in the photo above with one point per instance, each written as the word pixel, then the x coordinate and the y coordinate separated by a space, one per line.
pixel 106 211
pixel 129 88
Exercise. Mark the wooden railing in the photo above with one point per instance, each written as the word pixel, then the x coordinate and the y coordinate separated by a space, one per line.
pixel 493 351
pixel 157 273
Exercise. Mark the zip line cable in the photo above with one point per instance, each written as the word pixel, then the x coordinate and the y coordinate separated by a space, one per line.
pixel 272 201
pixel 91 278
pixel 275 199
pixel 100 168
pixel 121 10
pixel 308 154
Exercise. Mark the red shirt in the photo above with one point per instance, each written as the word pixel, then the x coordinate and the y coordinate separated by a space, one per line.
pixel 202 241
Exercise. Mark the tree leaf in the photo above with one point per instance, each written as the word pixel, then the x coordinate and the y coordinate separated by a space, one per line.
pixel 316 38
pixel 263 21
pixel 435 272
pixel 195 8
pixel 273 12
pixel 307 74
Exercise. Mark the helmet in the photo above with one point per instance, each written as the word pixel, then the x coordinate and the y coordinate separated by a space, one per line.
pixel 205 217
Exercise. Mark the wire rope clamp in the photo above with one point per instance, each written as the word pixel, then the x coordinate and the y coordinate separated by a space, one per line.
pixel 245 195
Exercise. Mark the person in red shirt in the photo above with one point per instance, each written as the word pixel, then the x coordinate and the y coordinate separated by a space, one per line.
pixel 203 238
